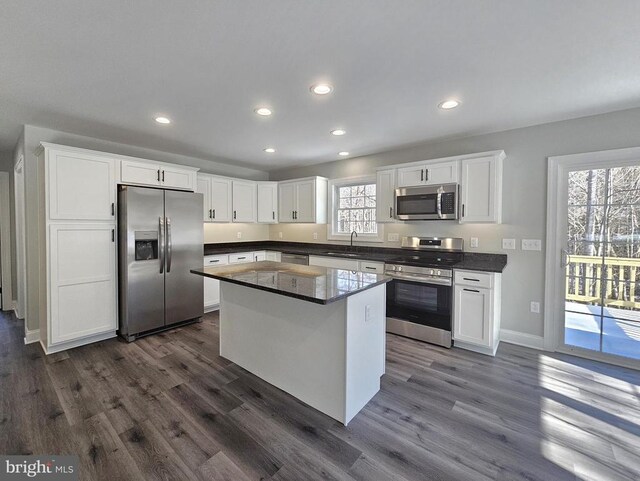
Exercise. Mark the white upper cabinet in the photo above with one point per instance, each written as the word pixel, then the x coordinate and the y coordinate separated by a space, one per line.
pixel 267 202
pixel 244 201
pixel 385 195
pixel 481 189
pixel 81 186
pixel 286 201
pixel 303 200
pixel 428 173
pixel 217 197
pixel 158 174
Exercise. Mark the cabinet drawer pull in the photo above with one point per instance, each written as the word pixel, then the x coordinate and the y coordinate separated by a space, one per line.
pixel 241 258
pixel 370 268
pixel 213 261
pixel 471 279
pixel 471 290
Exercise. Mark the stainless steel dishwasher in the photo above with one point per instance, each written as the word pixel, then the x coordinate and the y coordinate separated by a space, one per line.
pixel 302 259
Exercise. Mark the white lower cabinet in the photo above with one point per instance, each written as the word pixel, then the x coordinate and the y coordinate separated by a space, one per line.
pixel 347 264
pixel 273 256
pixel 82 284
pixel 476 311
pixel 212 286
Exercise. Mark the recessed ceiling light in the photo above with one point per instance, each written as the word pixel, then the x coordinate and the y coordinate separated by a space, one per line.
pixel 269 150
pixel 343 153
pixel 263 111
pixel 338 132
pixel 449 104
pixel 163 120
pixel 321 89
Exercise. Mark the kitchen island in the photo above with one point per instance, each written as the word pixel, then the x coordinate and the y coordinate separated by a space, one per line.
pixel 317 333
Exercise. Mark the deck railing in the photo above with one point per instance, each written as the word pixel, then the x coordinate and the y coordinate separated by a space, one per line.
pixel 592 278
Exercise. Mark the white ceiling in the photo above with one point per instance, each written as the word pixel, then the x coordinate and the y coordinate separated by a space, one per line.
pixel 107 68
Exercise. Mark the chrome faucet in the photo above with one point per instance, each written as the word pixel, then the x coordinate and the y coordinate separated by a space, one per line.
pixel 354 232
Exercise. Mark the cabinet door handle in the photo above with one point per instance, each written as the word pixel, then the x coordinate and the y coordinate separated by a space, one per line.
pixel 390 212
pixel 421 175
pixel 210 214
pixel 158 175
pixel 427 174
pixel 471 290
pixel 471 279
pixel 273 214
pixel 113 208
pixel 214 213
pixel 234 214
pixel 163 176
pixel 113 235
pixel 462 210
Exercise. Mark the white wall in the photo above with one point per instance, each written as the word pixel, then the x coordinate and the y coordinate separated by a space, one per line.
pixel 524 195
pixel 34 206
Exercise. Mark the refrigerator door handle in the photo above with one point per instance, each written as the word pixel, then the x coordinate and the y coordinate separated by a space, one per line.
pixel 161 239
pixel 168 223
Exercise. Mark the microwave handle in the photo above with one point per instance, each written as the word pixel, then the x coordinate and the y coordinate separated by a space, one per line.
pixel 439 204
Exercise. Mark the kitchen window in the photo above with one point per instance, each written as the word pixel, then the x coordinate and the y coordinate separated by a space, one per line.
pixel 353 208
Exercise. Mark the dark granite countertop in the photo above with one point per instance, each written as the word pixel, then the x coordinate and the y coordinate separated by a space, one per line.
pixel 321 285
pixel 470 260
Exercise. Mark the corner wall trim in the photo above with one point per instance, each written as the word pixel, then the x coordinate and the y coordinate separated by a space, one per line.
pixel 522 339
pixel 32 336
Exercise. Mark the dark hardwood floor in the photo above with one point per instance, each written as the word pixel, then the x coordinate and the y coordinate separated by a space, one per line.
pixel 168 407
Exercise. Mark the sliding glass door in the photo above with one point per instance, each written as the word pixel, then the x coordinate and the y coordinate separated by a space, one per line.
pixel 601 261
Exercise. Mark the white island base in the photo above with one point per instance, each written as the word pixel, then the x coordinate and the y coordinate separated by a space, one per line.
pixel 330 356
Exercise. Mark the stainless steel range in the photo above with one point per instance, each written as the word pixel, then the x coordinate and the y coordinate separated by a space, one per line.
pixel 420 298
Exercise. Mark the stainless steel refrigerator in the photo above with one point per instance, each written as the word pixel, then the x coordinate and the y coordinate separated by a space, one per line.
pixel 160 238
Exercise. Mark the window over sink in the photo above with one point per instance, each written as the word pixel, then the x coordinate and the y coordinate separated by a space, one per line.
pixel 352 208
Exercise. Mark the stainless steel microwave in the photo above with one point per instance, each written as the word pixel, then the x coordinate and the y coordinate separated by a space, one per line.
pixel 431 202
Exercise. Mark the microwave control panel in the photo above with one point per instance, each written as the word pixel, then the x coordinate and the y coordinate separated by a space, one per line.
pixel 449 203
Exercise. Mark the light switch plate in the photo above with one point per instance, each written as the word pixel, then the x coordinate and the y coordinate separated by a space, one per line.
pixel 535 307
pixel 315 236
pixel 531 245
pixel 279 235
pixel 509 244
pixel 474 242
pixel 239 235
pixel 395 237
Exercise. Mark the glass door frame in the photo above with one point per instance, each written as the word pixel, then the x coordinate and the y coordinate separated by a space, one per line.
pixel 557 214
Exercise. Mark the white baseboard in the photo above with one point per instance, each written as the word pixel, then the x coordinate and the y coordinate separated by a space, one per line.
pixel 32 336
pixel 522 339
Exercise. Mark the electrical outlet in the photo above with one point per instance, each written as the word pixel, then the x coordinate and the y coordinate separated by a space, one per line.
pixel 394 237
pixel 508 244
pixel 535 307
pixel 474 242
pixel 315 236
pixel 531 245
pixel 239 235
pixel 367 313
pixel 279 235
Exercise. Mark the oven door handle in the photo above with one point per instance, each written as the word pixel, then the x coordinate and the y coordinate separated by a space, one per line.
pixel 421 279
